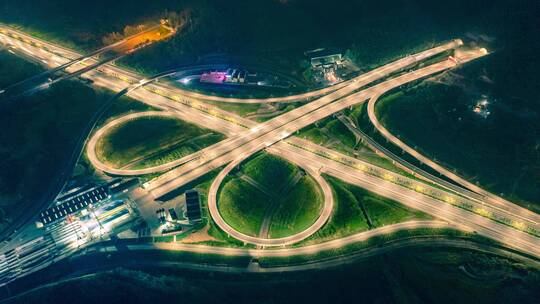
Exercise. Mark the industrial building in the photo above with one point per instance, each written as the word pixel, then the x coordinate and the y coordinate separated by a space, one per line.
pixel 193 206
pixel 73 203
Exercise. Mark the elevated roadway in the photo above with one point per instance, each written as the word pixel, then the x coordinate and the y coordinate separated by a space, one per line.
pixel 107 79
pixel 77 66
pixel 522 240
pixel 277 129
pixel 420 201
pixel 39 48
pixel 257 130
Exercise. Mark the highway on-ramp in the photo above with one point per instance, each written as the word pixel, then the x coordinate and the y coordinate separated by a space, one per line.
pixel 108 76
pixel 523 213
pixel 328 205
pixel 258 130
pixel 275 130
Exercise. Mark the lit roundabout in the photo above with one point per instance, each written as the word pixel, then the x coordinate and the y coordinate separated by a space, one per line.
pixel 325 213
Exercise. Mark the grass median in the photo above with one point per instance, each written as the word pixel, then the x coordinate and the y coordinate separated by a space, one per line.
pixel 151 141
pixel 357 210
pixel 268 187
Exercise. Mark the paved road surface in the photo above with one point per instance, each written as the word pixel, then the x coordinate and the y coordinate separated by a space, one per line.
pixel 277 129
pixel 113 83
pixel 524 214
pixel 326 211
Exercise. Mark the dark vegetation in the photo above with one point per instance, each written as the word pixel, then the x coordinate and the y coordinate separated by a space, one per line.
pixel 270 33
pixel 83 25
pixel 411 275
pixel 502 151
pixel 39 134
pixel 276 33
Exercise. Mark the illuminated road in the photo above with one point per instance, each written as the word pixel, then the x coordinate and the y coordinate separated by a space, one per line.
pixel 425 203
pixel 304 250
pixel 274 130
pixel 363 252
pixel 400 162
pixel 325 213
pixel 497 231
pixel 420 201
pixel 73 67
pixel 320 92
pixel 93 142
pixel 86 269
pixel 258 130
pixel 195 109
pixel 522 213
pixel 38 49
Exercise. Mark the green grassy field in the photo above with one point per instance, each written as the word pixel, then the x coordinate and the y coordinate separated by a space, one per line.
pixel 244 206
pixel 498 152
pixel 179 150
pixel 340 131
pixel 409 236
pixel 346 219
pixel 152 141
pixel 269 170
pixel 501 152
pixel 334 134
pixel 313 134
pixel 383 211
pixel 352 208
pixel 299 209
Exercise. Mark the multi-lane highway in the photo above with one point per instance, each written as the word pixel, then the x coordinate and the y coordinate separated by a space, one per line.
pixel 525 214
pixel 257 130
pixel 52 56
pixel 524 241
pixel 441 66
pixel 277 129
pixel 429 204
pixel 283 126
pixel 71 67
pixel 242 143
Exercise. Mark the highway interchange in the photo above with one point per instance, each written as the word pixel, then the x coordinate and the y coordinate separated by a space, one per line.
pixel 246 137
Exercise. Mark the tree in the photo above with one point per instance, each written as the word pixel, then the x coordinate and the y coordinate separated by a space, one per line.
pixel 178 20
pixel 112 38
